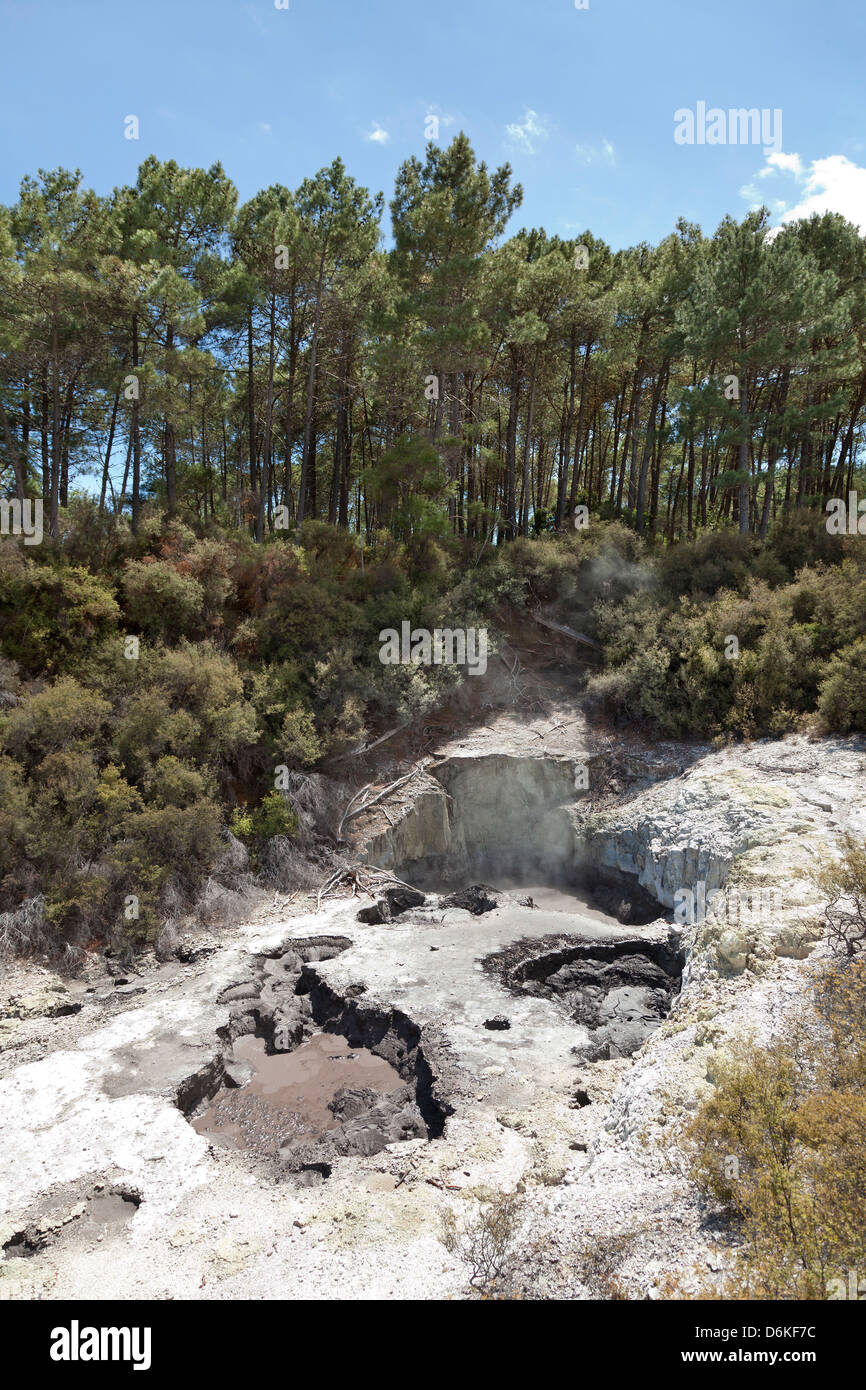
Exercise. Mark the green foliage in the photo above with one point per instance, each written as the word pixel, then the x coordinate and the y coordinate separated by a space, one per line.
pixel 13 806
pixel 63 716
pixel 109 789
pixel 273 816
pixel 717 560
pixel 842 697
pixel 668 661
pixel 160 601
pixel 166 845
pixel 781 1144
pixel 412 489
pixel 298 740
pixel 51 615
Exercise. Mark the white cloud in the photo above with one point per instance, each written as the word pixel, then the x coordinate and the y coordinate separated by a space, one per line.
pixel 529 132
pixel 265 127
pixel 597 154
pixel 833 184
pixel 787 163
pixel 378 135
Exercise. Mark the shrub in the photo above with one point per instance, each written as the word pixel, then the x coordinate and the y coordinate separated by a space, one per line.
pixel 160 601
pixel 842 696
pixel 781 1144
pixel 172 783
pixel 51 615
pixel 299 742
pixel 304 620
pixel 278 697
pixel 717 560
pixel 13 807
pixel 210 564
pixel 162 847
pixel 62 794
pixel 488 1242
pixel 801 538
pixel 64 715
pixel 198 695
pixel 271 818
pixel 670 664
pixel 844 883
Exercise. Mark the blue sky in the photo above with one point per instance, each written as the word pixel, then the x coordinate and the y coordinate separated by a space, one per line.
pixel 580 102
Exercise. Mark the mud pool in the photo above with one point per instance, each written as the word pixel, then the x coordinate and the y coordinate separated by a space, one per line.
pixel 292 1095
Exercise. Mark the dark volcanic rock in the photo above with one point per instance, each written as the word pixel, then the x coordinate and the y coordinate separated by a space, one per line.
pixel 376 913
pixel 477 898
pixel 482 897
pixel 498 1023
pixel 619 991
pixel 350 1102
pixel 401 899
pixel 371 1121
pixel 248 989
pixel 392 903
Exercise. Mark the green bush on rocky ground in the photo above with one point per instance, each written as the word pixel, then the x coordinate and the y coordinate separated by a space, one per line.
pixel 781 1142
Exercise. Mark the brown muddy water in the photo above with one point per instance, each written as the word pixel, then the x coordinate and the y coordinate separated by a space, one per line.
pixel 288 1095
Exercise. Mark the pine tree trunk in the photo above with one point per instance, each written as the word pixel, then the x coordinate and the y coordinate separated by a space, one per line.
pixel 510 527
pixel 135 426
pixel 108 448
pixel 569 423
pixel 744 457
pixel 169 452
pixel 578 442
pixel 305 491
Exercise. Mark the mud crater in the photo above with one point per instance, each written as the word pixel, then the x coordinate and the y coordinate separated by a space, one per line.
pixel 60 1218
pixel 617 991
pixel 308 1074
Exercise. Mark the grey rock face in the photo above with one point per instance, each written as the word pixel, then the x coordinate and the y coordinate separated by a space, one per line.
pixel 741 831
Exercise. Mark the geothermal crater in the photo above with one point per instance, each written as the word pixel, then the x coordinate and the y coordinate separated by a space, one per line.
pixel 310 1075
pixel 288 1106
pixel 494 899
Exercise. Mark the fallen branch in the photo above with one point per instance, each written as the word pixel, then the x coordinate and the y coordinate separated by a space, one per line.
pixel 352 810
pixel 362 878
pixel 368 747
pixel 566 631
